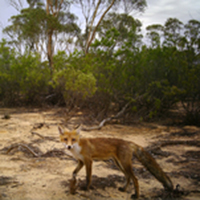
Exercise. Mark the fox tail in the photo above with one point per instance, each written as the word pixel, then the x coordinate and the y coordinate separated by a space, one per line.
pixel 150 163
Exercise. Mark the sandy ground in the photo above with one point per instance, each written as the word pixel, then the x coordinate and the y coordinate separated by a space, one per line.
pixel 44 174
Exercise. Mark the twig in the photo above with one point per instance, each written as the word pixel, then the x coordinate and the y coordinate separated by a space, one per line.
pixel 44 137
pixel 179 142
pixel 35 133
pixel 173 142
pixel 121 112
pixel 54 152
pixel 24 146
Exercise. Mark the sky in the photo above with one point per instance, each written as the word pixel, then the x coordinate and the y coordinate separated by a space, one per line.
pixel 157 12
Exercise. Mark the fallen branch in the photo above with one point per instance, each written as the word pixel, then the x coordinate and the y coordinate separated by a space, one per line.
pixel 35 133
pixel 44 137
pixel 164 143
pixel 57 153
pixel 30 150
pixel 51 153
pixel 121 112
pixel 180 142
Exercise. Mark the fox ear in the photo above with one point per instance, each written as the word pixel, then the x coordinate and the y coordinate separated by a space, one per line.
pixel 78 130
pixel 61 131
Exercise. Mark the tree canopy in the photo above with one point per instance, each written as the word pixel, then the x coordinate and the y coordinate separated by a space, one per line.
pixel 50 58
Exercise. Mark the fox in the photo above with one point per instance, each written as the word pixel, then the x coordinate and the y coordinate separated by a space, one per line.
pixel 86 150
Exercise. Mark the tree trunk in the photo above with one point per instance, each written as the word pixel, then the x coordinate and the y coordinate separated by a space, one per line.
pixel 50 50
pixel 90 39
pixel 50 41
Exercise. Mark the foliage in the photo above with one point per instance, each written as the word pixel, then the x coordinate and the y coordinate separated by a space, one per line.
pixel 38 28
pixel 95 11
pixel 118 67
pixel 23 79
pixel 76 81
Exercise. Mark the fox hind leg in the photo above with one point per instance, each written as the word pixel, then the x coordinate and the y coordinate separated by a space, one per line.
pixel 135 181
pixel 127 176
pixel 126 168
pixel 124 188
pixel 88 165
pixel 119 165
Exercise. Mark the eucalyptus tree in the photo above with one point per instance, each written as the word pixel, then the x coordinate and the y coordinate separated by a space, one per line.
pixel 154 34
pixel 26 27
pixel 190 79
pixel 118 31
pixel 192 34
pixel 116 48
pixel 172 32
pixel 94 12
pixel 41 25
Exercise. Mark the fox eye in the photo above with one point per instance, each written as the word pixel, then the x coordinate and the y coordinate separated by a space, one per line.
pixel 65 139
pixel 73 140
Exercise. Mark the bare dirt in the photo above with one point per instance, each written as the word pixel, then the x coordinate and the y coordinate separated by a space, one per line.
pixel 33 165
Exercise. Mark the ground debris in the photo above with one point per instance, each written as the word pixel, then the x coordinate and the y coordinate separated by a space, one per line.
pixel 36 172
pixel 32 151
pixel 164 143
pixel 26 148
pixel 5 180
pixel 44 137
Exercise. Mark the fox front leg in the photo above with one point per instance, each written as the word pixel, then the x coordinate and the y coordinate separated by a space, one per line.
pixel 78 168
pixel 72 185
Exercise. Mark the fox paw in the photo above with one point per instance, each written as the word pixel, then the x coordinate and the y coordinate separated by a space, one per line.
pixel 122 189
pixel 72 186
pixel 134 196
pixel 85 188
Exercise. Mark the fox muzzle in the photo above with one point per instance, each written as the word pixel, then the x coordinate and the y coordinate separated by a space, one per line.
pixel 69 147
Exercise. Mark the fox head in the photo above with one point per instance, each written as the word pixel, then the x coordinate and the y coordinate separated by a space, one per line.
pixel 69 138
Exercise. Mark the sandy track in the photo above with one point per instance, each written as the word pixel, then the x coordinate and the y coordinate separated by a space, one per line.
pixel 25 177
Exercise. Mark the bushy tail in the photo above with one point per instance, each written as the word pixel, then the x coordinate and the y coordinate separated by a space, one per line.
pixel 150 163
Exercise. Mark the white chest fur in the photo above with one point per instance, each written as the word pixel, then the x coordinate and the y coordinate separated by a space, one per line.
pixel 76 151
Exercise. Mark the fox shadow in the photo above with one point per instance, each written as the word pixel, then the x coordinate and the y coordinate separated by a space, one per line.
pixel 111 181
pixel 98 182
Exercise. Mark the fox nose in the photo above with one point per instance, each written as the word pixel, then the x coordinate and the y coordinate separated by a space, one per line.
pixel 69 147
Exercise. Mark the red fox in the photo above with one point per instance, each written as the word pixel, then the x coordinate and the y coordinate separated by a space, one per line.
pixel 85 150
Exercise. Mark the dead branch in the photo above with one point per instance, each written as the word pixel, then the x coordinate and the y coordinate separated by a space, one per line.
pixel 57 153
pixel 119 114
pixel 40 125
pixel 44 137
pixel 180 142
pixel 51 153
pixel 30 150
pixel 164 143
pixel 35 133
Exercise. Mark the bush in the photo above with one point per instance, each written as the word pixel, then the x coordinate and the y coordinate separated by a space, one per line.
pixel 75 81
pixel 23 78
